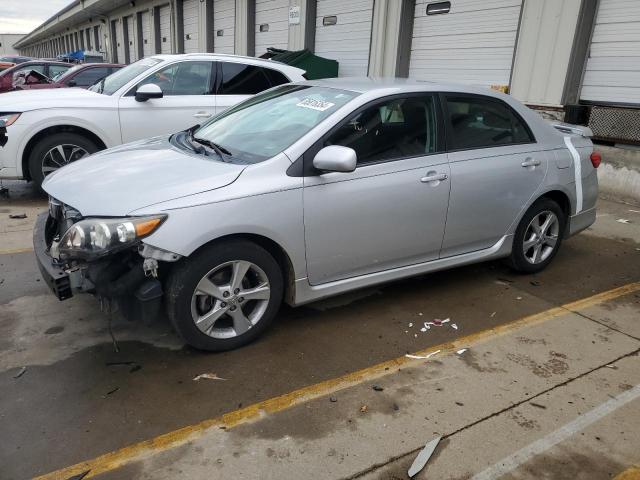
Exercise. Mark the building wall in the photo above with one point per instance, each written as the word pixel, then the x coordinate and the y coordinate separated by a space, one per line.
pixel 6 43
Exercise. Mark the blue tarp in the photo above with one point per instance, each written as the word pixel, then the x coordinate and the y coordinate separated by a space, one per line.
pixel 77 55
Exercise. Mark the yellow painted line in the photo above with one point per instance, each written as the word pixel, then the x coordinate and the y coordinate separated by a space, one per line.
pixel 16 250
pixel 138 451
pixel 632 473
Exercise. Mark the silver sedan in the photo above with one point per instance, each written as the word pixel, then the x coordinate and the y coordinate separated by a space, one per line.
pixel 309 190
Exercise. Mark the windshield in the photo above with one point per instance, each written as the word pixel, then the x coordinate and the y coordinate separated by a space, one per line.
pixel 270 122
pixel 114 82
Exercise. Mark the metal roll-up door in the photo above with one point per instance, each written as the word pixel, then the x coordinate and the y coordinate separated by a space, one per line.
pixel 145 19
pixel 190 25
pixel 131 38
pixel 343 33
pixel 473 43
pixel 272 25
pixel 165 29
pixel 612 74
pixel 224 18
pixel 120 40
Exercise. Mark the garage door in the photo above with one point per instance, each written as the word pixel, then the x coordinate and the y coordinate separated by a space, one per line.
pixel 120 40
pixel 131 39
pixel 224 17
pixel 613 68
pixel 473 43
pixel 165 29
pixel 190 22
pixel 145 19
pixel 272 25
pixel 343 33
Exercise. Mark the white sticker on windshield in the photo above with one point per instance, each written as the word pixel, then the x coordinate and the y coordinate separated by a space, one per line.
pixel 313 104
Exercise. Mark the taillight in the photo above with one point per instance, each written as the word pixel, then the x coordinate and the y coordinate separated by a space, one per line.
pixel 596 158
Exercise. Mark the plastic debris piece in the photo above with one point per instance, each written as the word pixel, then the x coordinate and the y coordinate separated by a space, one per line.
pixel 18 216
pixel 623 220
pixel 423 457
pixel 423 329
pixel 422 357
pixel 377 388
pixel 461 351
pixel 611 366
pixel 363 409
pixel 207 376
pixel 420 314
pixel 535 283
pixel 333 399
pixel 454 326
pixel 518 298
pixel 410 324
pixel 20 372
pixel 634 211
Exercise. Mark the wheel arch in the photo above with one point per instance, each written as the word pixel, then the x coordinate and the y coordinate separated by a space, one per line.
pixel 53 130
pixel 271 246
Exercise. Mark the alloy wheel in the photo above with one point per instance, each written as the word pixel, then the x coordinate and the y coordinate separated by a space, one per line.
pixel 61 155
pixel 541 237
pixel 230 299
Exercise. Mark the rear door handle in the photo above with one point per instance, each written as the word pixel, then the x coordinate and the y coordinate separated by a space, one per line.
pixel 202 115
pixel 530 162
pixel 436 177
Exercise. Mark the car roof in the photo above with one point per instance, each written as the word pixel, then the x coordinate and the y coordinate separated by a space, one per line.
pixel 227 57
pixel 371 84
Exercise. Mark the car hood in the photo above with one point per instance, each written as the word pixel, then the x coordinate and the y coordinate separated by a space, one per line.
pixel 117 181
pixel 36 99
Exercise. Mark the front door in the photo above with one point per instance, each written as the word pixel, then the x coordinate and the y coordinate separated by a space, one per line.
pixel 391 211
pixel 496 168
pixel 188 100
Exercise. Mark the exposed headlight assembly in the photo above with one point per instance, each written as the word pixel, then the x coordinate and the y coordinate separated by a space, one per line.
pixel 9 118
pixel 95 237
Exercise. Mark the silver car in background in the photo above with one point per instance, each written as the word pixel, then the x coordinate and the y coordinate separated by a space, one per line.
pixel 309 190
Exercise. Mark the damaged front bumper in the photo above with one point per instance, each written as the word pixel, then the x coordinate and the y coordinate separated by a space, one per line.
pixel 122 279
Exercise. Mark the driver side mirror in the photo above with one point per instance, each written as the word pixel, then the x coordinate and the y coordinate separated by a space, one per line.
pixel 147 91
pixel 336 158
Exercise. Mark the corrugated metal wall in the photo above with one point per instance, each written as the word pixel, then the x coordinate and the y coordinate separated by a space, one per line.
pixel 612 73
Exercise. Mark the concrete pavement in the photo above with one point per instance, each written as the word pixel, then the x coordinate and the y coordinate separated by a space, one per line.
pixel 73 404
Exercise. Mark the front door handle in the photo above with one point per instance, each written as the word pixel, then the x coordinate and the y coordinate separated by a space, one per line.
pixel 434 177
pixel 202 115
pixel 530 162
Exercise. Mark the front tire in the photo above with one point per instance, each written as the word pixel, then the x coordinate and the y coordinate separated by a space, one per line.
pixel 225 295
pixel 56 151
pixel 538 237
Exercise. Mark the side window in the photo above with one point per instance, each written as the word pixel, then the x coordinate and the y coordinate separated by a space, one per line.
pixel 184 78
pixel 55 70
pixel 478 123
pixel 240 79
pixel 275 77
pixel 398 128
pixel 36 68
pixel 90 76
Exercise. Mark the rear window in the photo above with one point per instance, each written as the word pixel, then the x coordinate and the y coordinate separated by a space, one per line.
pixel 241 79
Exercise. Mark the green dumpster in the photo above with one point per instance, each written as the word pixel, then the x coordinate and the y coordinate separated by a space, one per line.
pixel 315 66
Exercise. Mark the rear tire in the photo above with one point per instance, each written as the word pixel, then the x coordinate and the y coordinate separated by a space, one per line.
pixel 538 237
pixel 55 151
pixel 211 310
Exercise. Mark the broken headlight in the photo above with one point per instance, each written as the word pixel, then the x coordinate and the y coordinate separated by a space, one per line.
pixel 94 237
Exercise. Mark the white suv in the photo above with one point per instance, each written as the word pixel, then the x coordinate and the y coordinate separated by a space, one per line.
pixel 46 129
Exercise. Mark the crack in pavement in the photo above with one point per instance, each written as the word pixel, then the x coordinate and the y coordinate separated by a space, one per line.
pixel 377 466
pixel 603 324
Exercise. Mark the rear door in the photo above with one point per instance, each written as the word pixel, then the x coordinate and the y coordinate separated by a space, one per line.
pixel 188 100
pixel 238 81
pixel 496 167
pixel 391 211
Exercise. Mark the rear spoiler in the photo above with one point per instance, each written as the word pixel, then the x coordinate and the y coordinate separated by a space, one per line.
pixel 581 130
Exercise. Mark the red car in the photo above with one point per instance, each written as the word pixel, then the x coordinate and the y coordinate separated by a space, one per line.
pixel 20 73
pixel 82 76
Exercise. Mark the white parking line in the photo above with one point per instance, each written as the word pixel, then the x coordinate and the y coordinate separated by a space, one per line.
pixel 525 454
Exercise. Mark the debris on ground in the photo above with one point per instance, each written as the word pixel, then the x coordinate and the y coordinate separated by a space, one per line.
pixel 20 372
pixel 422 357
pixel 396 407
pixel 333 399
pixel 110 392
pixel 537 405
pixel 79 476
pixel 207 376
pixel 134 367
pixel 410 324
pixel 423 457
pixel 518 298
pixel 454 326
pixel 611 366
pixel 535 283
pixel 461 351
pixel 377 388
pixel 623 220
pixel 18 216
pixel 363 409
pixel 503 281
pixel 493 314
